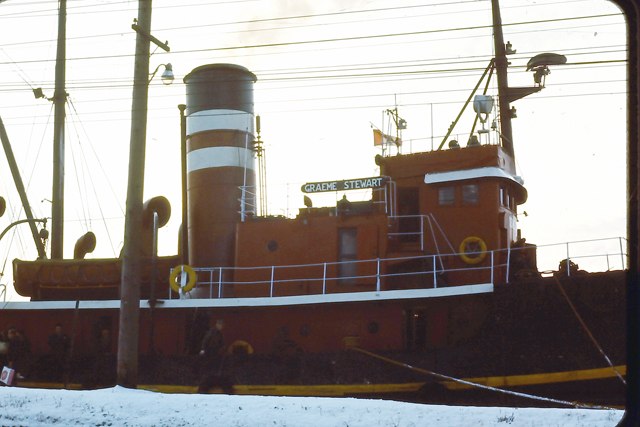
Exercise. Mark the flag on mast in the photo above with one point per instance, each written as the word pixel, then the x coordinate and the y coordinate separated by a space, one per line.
pixel 380 138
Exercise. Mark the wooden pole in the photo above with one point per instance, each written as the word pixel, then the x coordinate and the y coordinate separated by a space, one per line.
pixel 127 367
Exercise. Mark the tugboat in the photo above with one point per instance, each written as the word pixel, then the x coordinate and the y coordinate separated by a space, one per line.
pixel 427 291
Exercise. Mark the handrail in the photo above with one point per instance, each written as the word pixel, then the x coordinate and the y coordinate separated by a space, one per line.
pixel 419 232
pixel 380 274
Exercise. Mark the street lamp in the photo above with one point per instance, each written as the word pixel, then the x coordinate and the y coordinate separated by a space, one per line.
pixel 167 76
pixel 43 233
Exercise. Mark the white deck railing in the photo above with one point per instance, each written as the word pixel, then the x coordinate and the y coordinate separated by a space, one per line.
pixel 381 274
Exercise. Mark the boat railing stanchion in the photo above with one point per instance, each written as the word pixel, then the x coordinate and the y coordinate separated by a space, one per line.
pixel 212 279
pixel 621 252
pixel 492 265
pixel 219 282
pixel 211 284
pixel 422 233
pixel 508 263
pixel 568 261
pixel 273 272
pixel 378 275
pixel 435 276
pixel 324 278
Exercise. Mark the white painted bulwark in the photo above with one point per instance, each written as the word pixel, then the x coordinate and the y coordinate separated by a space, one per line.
pixel 487 172
pixel 407 294
pixel 220 119
pixel 217 157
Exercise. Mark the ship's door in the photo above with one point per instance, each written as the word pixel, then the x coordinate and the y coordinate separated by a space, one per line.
pixel 408 211
pixel 416 329
pixel 427 329
pixel 347 254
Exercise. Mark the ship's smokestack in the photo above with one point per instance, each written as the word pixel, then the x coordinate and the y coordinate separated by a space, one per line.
pixel 220 161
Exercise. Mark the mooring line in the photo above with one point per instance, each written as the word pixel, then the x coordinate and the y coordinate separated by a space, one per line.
pixel 588 331
pixel 481 386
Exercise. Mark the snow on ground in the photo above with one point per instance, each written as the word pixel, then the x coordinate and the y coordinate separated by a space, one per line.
pixel 124 407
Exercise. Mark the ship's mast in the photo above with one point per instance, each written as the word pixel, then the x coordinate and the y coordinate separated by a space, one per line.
pixel 59 99
pixel 506 133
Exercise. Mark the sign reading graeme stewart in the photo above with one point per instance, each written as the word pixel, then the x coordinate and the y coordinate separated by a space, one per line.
pixel 347 184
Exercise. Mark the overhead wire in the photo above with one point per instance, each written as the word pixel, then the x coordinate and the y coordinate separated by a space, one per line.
pixel 102 217
pixel 333 40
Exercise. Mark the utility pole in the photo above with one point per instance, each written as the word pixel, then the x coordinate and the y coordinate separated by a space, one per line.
pixel 59 102
pixel 127 369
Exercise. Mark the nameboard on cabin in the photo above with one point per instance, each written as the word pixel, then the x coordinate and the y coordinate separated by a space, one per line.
pixel 347 184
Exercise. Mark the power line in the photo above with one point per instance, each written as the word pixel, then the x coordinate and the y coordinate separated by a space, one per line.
pixel 337 39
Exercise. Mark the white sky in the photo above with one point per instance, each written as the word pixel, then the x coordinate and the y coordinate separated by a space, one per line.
pixel 137 408
pixel 316 100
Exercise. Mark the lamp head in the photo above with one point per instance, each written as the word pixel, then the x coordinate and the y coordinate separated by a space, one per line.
pixel 167 76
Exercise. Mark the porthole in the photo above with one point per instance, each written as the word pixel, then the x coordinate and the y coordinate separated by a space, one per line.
pixel 373 327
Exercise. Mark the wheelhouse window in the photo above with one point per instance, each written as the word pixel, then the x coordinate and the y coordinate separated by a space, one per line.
pixel 507 200
pixel 470 194
pixel 446 196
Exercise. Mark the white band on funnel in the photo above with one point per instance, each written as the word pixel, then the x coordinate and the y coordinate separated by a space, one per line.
pixel 217 157
pixel 220 119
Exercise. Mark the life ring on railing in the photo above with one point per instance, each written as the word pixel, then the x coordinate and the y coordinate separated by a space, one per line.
pixel 240 347
pixel 472 250
pixel 175 279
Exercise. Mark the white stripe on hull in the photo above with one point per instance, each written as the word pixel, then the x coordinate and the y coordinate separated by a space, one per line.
pixel 358 297
pixel 220 119
pixel 217 157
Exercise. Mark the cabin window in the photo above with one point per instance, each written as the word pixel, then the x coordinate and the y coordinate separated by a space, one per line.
pixel 506 199
pixel 446 196
pixel 470 194
pixel 347 255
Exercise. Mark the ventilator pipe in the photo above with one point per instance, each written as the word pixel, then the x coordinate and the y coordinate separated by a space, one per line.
pixel 84 245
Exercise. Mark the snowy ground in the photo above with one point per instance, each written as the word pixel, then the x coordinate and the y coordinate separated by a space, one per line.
pixel 123 407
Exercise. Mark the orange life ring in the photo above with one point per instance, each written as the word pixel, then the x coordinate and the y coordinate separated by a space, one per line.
pixel 472 250
pixel 175 279
pixel 240 346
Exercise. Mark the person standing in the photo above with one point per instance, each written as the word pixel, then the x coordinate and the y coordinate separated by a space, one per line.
pixel 18 352
pixel 58 350
pixel 103 370
pixel 212 354
pixel 213 345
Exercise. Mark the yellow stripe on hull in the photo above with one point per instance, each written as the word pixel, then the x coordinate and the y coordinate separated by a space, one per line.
pixel 331 390
pixel 538 379
pixel 328 390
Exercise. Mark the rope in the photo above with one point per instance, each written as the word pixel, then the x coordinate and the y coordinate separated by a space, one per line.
pixel 480 386
pixel 586 329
